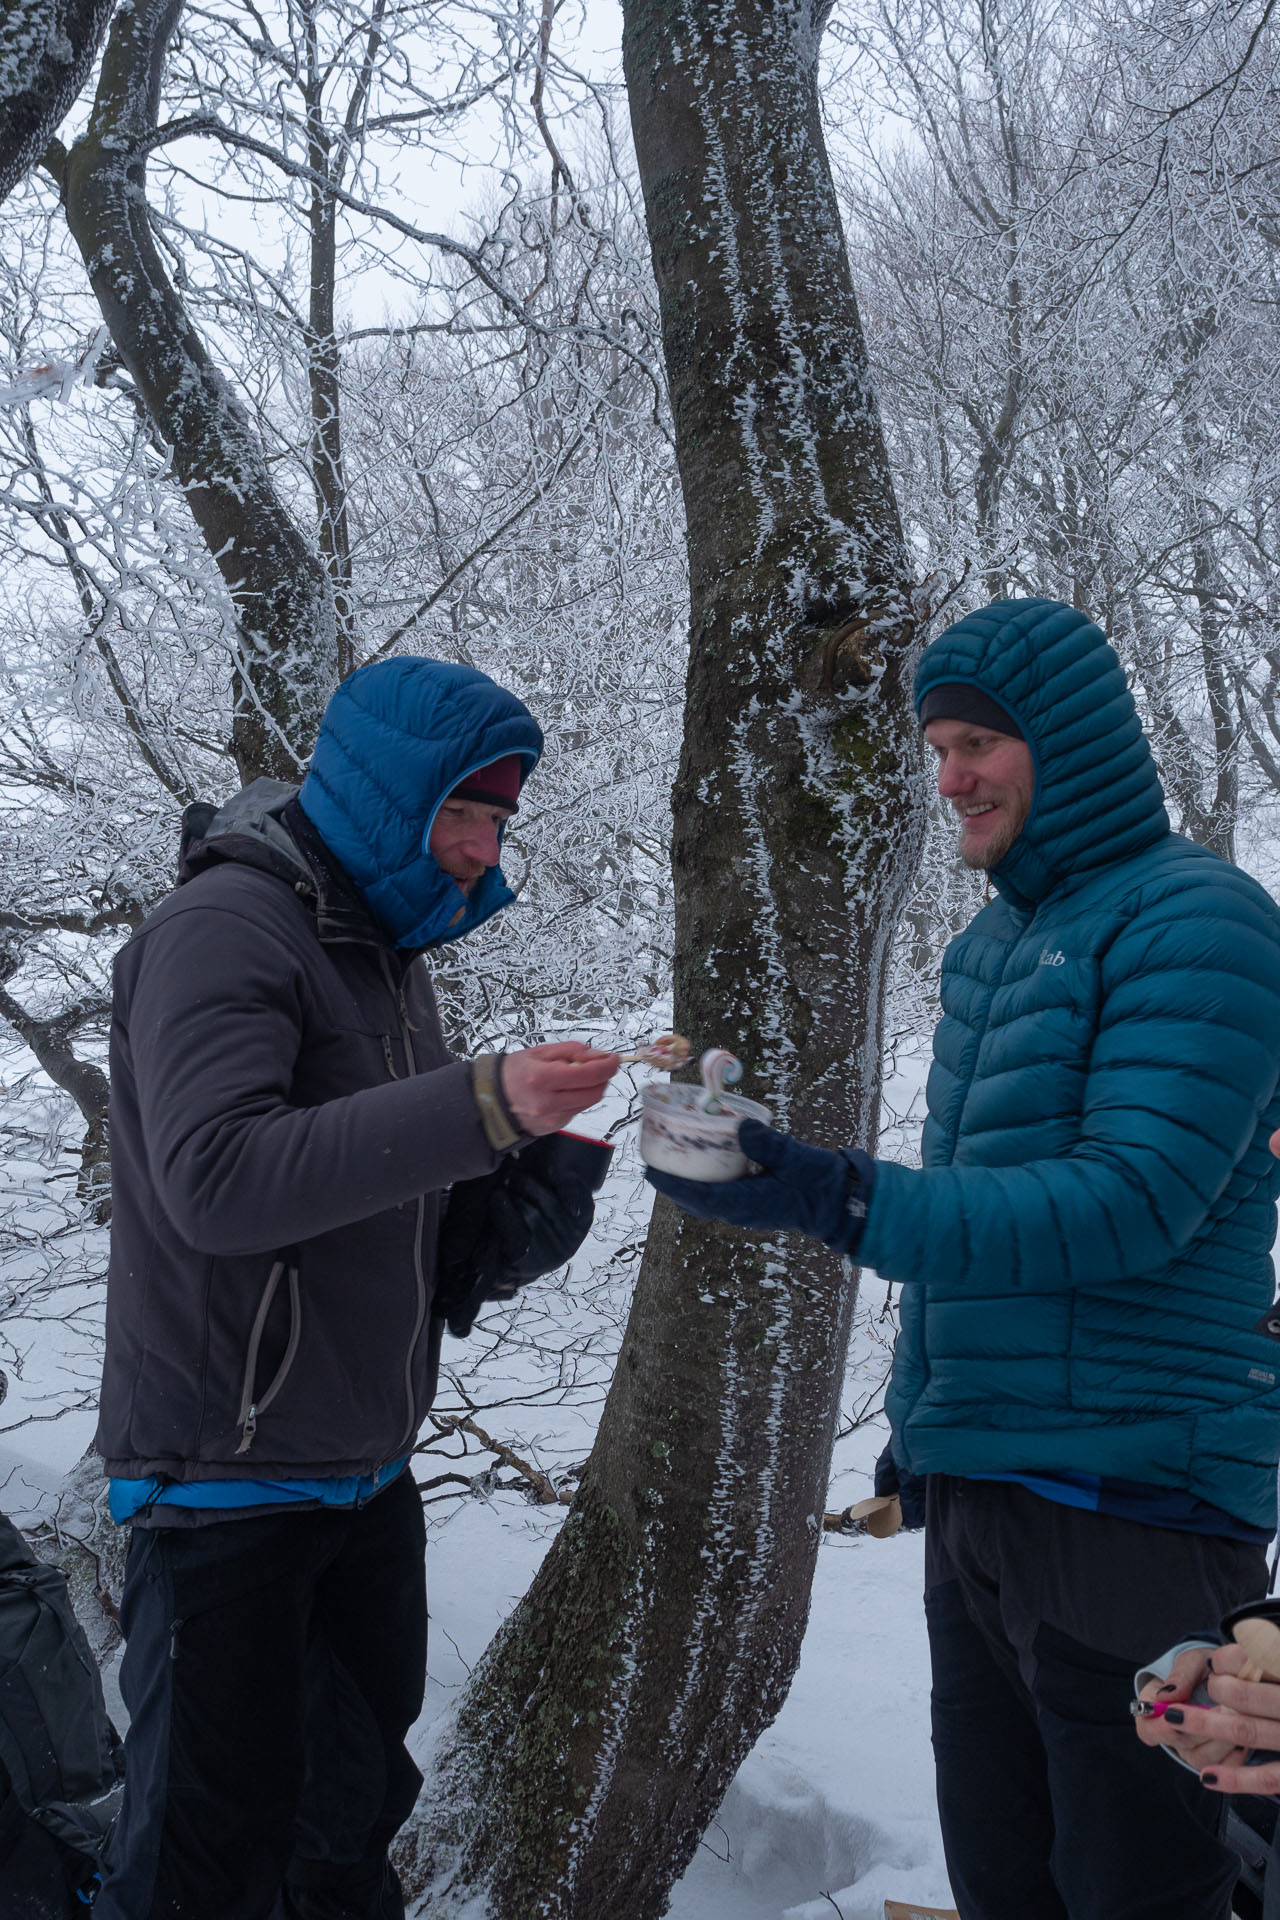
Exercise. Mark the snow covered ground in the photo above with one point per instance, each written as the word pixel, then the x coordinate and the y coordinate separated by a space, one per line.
pixel 836 1802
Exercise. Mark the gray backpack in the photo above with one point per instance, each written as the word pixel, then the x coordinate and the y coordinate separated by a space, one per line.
pixel 60 1756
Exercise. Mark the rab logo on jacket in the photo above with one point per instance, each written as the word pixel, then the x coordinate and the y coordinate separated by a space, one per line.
pixel 1048 959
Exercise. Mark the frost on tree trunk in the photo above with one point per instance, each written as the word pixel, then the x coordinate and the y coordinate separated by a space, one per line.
pixel 46 51
pixel 287 663
pixel 660 1636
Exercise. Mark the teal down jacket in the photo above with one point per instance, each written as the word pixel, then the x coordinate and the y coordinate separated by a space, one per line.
pixel 1085 1254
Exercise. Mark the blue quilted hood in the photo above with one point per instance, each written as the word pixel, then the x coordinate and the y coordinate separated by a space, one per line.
pixel 1097 796
pixel 396 738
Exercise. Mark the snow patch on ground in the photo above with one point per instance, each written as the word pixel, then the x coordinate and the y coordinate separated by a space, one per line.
pixel 837 1798
pixel 836 1802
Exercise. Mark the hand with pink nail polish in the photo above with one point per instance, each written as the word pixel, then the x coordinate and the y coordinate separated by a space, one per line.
pixel 1246 1711
pixel 1194 1737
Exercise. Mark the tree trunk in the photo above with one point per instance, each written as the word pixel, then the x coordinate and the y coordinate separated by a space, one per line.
pixel 327 161
pixel 51 1043
pixel 661 1633
pixel 287 654
pixel 324 370
pixel 1179 758
pixel 1224 771
pixel 46 50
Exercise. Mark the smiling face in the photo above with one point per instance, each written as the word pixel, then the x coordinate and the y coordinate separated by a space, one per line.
pixel 989 778
pixel 464 838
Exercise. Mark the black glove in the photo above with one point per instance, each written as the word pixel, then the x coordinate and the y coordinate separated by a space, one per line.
pixel 909 1487
pixel 808 1189
pixel 513 1225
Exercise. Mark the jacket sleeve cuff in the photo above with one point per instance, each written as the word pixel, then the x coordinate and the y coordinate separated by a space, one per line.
pixel 1161 1669
pixel 500 1126
pixel 857 1201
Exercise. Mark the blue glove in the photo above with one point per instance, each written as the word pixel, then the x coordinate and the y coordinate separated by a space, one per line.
pixel 807 1189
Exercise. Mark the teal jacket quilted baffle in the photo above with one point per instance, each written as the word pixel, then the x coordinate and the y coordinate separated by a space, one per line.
pixel 1085 1254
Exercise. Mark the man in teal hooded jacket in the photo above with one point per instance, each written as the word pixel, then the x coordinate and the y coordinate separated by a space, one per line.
pixel 1087 1370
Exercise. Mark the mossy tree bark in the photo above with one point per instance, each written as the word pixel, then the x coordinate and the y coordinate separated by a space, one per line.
pixel 660 1636
pixel 287 637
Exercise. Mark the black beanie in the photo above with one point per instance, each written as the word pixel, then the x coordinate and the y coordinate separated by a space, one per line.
pixel 954 700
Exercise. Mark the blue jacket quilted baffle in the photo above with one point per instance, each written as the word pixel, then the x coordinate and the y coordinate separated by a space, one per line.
pixel 1085 1254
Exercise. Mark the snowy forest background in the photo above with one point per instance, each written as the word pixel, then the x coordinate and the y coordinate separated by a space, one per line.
pixel 413 241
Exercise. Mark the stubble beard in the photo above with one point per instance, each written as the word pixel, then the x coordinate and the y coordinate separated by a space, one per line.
pixel 992 852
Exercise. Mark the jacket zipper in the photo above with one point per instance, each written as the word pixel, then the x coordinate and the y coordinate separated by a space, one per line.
pixel 420 1278
pixel 411 1432
pixel 249 1407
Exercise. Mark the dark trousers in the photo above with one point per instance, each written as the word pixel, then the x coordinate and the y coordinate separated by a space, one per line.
pixel 272 1669
pixel 1039 1615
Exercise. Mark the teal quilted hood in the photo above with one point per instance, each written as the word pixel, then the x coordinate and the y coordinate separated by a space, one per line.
pixel 1097 796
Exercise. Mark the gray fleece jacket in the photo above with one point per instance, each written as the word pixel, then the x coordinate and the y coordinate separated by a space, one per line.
pixel 284 1117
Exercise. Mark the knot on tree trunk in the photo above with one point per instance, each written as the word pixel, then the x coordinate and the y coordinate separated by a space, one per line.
pixel 846 655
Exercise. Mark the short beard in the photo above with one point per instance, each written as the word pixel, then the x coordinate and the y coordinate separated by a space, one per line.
pixel 996 848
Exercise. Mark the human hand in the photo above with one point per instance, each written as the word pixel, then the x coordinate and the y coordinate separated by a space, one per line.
pixel 545 1087
pixel 508 1227
pixel 808 1189
pixel 1195 1743
pixel 1244 1718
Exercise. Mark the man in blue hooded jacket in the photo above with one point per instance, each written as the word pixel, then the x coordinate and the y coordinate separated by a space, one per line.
pixel 1085 1372
pixel 286 1121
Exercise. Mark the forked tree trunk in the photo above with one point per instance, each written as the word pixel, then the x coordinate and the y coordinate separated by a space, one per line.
pixel 660 1636
pixel 287 656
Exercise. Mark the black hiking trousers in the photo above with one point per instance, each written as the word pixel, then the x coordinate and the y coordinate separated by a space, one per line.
pixel 272 1670
pixel 1039 1616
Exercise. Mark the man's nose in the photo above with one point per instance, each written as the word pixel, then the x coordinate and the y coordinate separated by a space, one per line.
pixel 954 778
pixel 481 843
